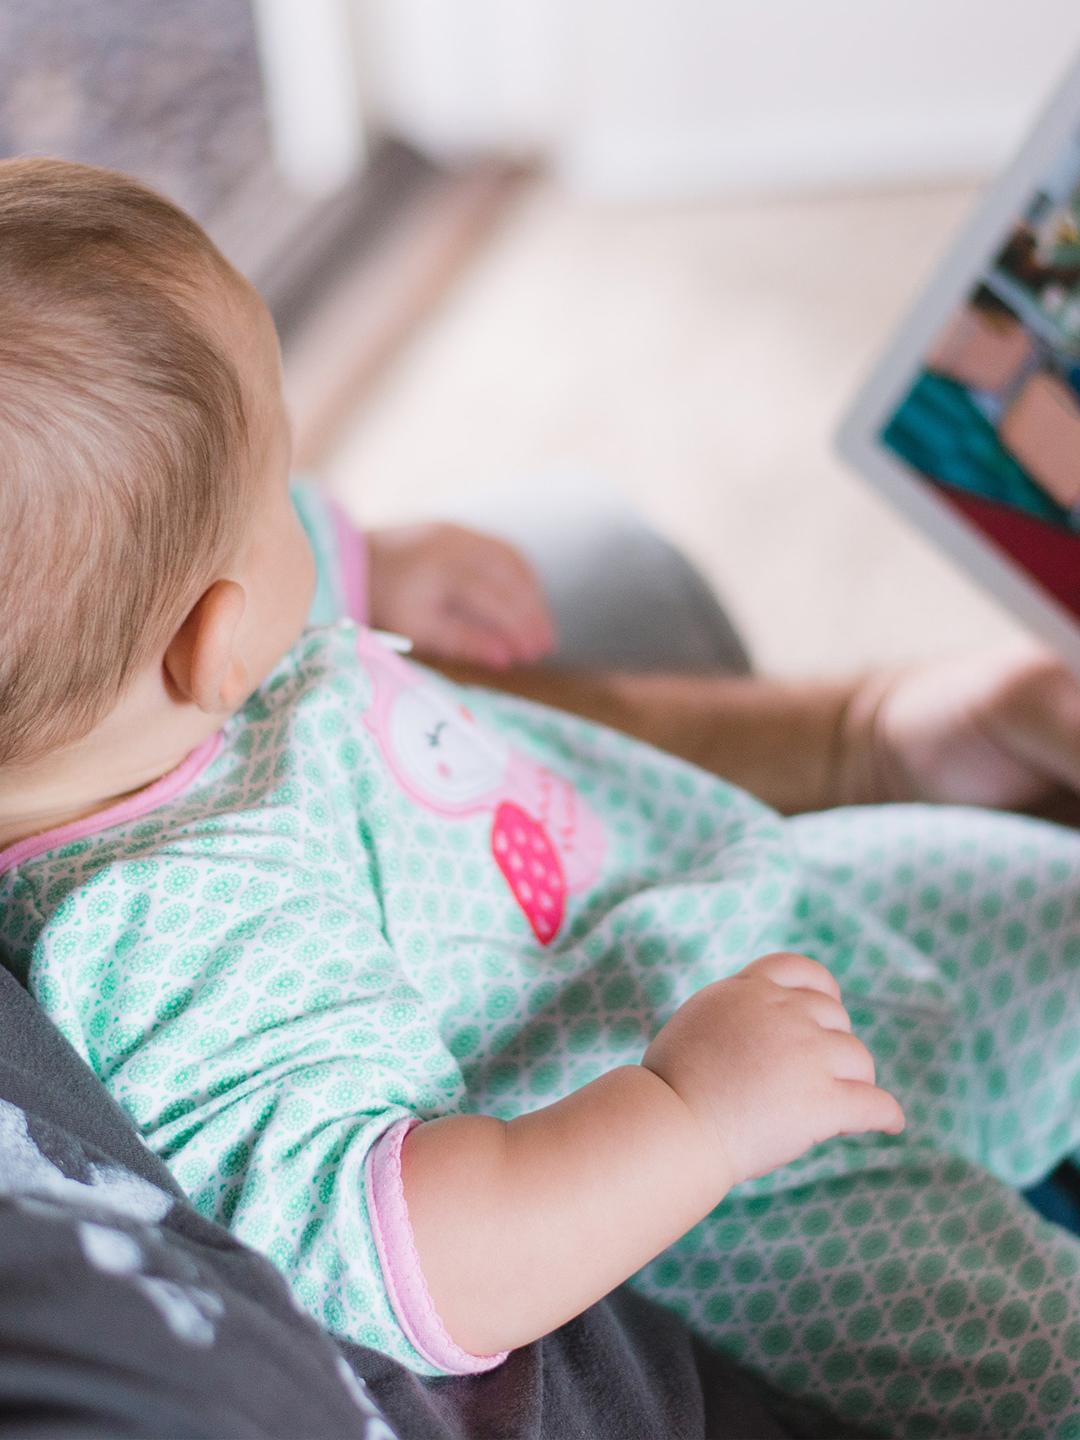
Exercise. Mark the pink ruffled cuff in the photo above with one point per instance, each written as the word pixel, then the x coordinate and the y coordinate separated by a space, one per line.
pixel 405 1283
pixel 353 562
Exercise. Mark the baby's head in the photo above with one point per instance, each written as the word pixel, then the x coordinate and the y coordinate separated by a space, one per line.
pixel 152 570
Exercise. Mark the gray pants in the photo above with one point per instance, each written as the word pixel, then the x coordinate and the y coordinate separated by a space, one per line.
pixel 623 597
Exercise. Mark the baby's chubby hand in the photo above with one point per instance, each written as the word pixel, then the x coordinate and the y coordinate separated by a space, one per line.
pixel 767 1064
pixel 458 595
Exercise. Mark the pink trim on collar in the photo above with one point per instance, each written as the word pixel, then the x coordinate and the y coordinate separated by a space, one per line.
pixel 353 560
pixel 141 803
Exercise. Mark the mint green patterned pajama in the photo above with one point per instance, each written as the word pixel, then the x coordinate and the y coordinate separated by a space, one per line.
pixel 380 896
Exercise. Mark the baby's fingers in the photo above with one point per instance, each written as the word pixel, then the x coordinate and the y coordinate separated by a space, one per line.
pixel 826 1012
pixel 516 612
pixel 861 1108
pixel 796 972
pixel 849 1059
pixel 453 637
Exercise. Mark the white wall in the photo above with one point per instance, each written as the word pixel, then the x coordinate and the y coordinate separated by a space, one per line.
pixel 649 98
pixel 457 76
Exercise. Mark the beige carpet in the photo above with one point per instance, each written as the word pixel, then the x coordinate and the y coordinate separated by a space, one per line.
pixel 695 359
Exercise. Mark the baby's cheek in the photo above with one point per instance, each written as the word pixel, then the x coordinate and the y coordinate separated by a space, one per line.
pixel 308 577
pixel 279 598
pixel 291 571
pixel 292 578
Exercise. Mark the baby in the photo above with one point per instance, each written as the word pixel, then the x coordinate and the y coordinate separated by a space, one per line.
pixel 442 999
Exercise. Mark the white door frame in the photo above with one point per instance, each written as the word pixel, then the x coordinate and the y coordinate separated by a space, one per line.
pixel 307 54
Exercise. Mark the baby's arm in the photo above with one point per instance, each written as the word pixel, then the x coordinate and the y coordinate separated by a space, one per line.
pixel 519 1226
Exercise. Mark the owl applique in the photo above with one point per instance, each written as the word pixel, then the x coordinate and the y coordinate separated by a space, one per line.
pixel 545 841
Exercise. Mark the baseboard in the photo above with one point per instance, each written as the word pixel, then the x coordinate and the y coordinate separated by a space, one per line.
pixel 810 153
pixel 338 344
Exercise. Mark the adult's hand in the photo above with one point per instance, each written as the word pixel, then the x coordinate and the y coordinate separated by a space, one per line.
pixel 1000 729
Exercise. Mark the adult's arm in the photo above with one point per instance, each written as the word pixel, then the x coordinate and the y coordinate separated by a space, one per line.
pixel 797 745
pixel 999 728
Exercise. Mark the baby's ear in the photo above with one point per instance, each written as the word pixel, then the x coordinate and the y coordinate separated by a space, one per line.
pixel 203 662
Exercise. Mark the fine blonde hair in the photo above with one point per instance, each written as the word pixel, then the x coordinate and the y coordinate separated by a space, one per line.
pixel 123 441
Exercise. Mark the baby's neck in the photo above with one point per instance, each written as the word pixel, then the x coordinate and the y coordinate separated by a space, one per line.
pixel 37 803
pixel 35 814
pixel 126 752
